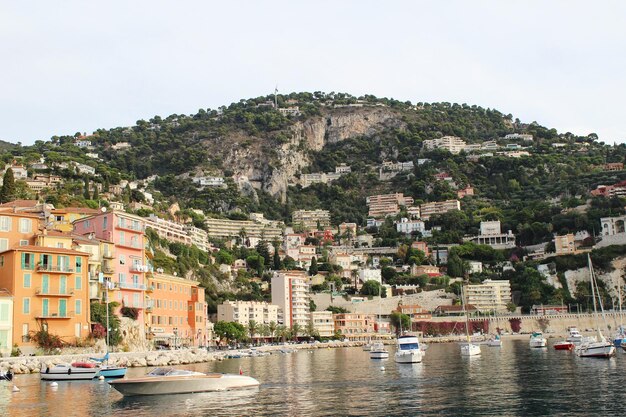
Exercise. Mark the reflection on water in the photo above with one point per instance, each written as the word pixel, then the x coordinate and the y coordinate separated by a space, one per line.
pixel 510 381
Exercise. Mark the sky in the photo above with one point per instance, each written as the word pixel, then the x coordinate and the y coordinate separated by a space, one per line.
pixel 76 66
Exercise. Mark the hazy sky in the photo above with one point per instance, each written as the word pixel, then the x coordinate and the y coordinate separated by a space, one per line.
pixel 71 66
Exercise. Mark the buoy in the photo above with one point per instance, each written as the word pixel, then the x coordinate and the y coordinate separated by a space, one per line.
pixel 240 371
pixel 15 388
pixel 54 384
pixel 101 378
pixel 382 368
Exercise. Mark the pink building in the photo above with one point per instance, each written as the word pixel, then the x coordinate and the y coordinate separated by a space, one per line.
pixel 129 267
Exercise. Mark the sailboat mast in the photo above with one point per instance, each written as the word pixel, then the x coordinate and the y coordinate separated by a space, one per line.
pixel 106 292
pixel 465 312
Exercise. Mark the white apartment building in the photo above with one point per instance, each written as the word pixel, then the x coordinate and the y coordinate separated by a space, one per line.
pixel 243 312
pixel 318 178
pixel 490 295
pixel 453 144
pixel 227 229
pixel 290 292
pixel 407 226
pixel 522 136
pixel 386 204
pixel 343 169
pixel 209 181
pixel 370 274
pixel 166 229
pixel 312 219
pixel 438 207
pixel 199 237
pixel 323 323
pixel 491 235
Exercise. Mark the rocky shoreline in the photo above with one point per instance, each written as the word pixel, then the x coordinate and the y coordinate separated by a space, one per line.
pixel 33 364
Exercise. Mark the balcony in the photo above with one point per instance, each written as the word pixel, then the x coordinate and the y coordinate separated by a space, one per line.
pixel 138 268
pixel 130 245
pixel 150 288
pixel 62 269
pixel 50 315
pixel 132 286
pixel 107 268
pixel 126 226
pixel 49 293
pixel 108 255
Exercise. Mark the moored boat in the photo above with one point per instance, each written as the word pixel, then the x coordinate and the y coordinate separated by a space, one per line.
pixel 495 342
pixel 574 335
pixel 6 376
pixel 180 381
pixel 564 345
pixel 66 372
pixel 537 340
pixel 409 350
pixel 378 351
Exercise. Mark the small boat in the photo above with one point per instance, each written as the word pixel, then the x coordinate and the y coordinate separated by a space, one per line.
pixel 110 371
pixel 495 342
pixel 469 349
pixel 367 347
pixel 66 372
pixel 574 335
pixel 564 345
pixel 6 375
pixel 537 340
pixel 180 381
pixel 378 351
pixel 409 350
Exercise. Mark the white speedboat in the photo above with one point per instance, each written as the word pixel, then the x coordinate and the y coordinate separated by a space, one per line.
pixel 537 340
pixel 180 381
pixel 378 351
pixel 408 350
pixel 66 372
pixel 574 335
pixel 470 349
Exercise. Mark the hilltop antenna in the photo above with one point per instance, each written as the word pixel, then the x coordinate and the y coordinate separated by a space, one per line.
pixel 276 97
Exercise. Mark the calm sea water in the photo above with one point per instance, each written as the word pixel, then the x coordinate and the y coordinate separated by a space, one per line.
pixel 511 381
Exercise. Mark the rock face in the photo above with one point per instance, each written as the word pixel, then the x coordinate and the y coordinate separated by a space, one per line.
pixel 247 156
pixel 133 336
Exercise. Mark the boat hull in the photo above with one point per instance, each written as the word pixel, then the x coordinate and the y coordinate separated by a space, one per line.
pixel 538 342
pixel 113 372
pixel 564 346
pixel 182 385
pixel 382 354
pixel 68 373
pixel 596 350
pixel 470 350
pixel 494 343
pixel 409 356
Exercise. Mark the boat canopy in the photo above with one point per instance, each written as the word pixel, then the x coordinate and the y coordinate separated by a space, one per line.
pixel 171 372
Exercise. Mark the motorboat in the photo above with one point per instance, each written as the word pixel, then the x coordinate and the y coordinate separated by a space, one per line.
pixel 378 351
pixel 537 340
pixel 67 372
pixel 180 381
pixel 495 341
pixel 574 335
pixel 367 347
pixel 110 371
pixel 564 345
pixel 408 349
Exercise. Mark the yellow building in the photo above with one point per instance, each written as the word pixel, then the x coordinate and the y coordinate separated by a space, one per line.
pixel 62 219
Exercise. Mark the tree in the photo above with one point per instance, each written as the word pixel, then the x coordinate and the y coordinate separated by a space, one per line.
pixel 372 287
pixel 296 329
pixel 262 249
pixel 86 189
pixel 229 331
pixel 7 192
pixel 224 257
pixel 253 328
pixel 272 328
pixel 400 321
pixel 313 267
pixel 337 309
pixel 256 262
pixel 276 245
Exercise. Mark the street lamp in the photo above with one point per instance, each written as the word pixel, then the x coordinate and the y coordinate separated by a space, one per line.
pixel 175 330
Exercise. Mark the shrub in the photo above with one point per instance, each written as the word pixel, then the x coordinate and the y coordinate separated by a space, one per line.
pixel 130 312
pixel 516 325
pixel 48 342
pixel 16 350
pixel 98 331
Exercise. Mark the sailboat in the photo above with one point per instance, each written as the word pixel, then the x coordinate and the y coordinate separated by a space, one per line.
pixel 378 350
pixel 619 337
pixel 469 349
pixel 106 370
pixel 599 348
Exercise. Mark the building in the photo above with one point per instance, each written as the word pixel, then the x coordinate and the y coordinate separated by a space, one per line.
pixel 543 310
pixel 243 312
pixel 370 274
pixel 169 230
pixel 438 207
pixel 176 312
pixel 415 311
pixel 209 181
pixel 452 144
pixel 521 136
pixel 491 235
pixel 290 292
pixel 465 192
pixel 430 270
pixel 490 295
pixel 50 291
pixel 343 169
pixel 6 322
pixel 311 219
pixel 128 270
pixel 17 229
pixel 323 323
pixel 389 170
pixel 387 204
pixel 408 227
pixel 423 246
pixel 307 180
pixel 565 245
pixel 613 166
pixel 63 219
pixel 250 232
pixel 355 326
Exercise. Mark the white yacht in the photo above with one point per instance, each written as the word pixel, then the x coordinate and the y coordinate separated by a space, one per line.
pixel 537 340
pixel 408 349
pixel 378 351
pixel 180 381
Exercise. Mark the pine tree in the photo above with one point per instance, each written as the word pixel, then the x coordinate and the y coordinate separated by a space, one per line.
pixel 7 192
pixel 313 267
pixel 96 196
pixel 86 189
pixel 276 255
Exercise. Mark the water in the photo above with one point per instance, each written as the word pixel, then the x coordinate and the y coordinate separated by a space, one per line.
pixel 511 381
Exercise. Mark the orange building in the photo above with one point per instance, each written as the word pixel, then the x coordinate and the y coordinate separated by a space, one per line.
pixel 176 311
pixel 355 326
pixel 50 291
pixel 17 229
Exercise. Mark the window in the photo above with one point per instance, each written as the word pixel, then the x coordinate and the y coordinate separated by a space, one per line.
pixel 78 284
pixel 79 264
pixel 5 224
pixel 26 280
pixel 60 245
pixel 121 222
pixel 2 260
pixel 26 225
pixel 26 305
pixel 122 238
pixel 122 259
pixel 105 220
pixel 79 307
pixel 28 260
pixel 25 333
pixel 4 244
pixel 4 313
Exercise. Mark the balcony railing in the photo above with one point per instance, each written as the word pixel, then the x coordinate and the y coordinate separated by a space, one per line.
pixel 57 268
pixel 29 266
pixel 54 315
pixel 130 226
pixel 50 293
pixel 131 286
pixel 138 268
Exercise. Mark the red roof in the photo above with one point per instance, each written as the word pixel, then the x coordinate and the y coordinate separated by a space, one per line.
pixel 20 203
pixel 33 248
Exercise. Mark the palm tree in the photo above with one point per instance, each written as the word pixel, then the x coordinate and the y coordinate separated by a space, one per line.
pixel 281 331
pixel 264 330
pixel 295 330
pixel 253 329
pixel 272 328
